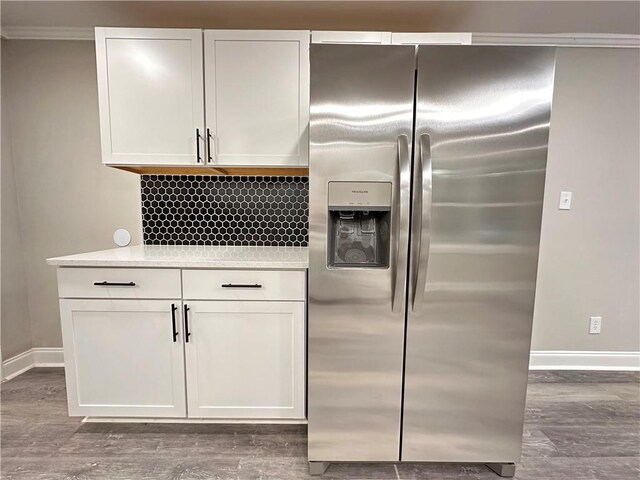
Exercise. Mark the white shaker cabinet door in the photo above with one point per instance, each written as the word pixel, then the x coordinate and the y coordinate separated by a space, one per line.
pixel 246 359
pixel 151 96
pixel 257 97
pixel 124 358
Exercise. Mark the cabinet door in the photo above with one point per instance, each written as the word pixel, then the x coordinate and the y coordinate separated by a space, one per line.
pixel 246 359
pixel 151 96
pixel 257 96
pixel 122 358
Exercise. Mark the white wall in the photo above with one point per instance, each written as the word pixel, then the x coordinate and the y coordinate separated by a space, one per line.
pixel 15 324
pixel 67 201
pixel 398 16
pixel 589 261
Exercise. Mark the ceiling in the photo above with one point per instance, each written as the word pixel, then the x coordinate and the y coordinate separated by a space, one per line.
pixel 426 16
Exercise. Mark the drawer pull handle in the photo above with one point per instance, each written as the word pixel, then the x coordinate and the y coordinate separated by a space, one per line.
pixel 114 284
pixel 173 322
pixel 241 285
pixel 187 333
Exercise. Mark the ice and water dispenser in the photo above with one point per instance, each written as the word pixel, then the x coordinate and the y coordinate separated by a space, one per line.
pixel 359 224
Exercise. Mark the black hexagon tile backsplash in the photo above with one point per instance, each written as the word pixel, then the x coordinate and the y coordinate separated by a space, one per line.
pixel 206 210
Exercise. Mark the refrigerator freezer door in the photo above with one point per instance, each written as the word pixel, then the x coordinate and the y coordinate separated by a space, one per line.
pixel 360 131
pixel 482 115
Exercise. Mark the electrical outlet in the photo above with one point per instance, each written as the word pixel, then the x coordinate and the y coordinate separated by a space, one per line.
pixel 595 325
pixel 565 201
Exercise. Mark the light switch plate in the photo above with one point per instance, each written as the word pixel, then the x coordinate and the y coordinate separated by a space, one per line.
pixel 565 201
pixel 595 325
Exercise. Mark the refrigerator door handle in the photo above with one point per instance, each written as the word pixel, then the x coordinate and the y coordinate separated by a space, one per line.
pixel 400 192
pixel 422 220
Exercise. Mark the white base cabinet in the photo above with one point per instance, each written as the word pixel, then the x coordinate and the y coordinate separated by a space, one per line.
pixel 245 359
pixel 122 359
pixel 236 352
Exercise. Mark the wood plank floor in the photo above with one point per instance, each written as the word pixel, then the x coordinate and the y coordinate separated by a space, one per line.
pixel 579 426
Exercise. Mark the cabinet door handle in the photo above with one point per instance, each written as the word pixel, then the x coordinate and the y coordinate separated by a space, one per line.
pixel 241 285
pixel 173 322
pixel 187 333
pixel 209 157
pixel 198 157
pixel 114 284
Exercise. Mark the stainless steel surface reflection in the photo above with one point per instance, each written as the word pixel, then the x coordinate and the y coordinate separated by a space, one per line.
pixel 486 111
pixel 361 103
pixel 468 273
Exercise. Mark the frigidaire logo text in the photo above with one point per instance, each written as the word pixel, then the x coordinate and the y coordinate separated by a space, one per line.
pixel 359 191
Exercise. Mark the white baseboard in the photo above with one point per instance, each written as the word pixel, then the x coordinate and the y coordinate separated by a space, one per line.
pixel 584 360
pixel 14 366
pixel 539 360
pixel 34 357
pixel 48 357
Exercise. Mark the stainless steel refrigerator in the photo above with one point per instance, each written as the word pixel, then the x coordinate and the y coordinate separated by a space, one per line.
pixel 427 169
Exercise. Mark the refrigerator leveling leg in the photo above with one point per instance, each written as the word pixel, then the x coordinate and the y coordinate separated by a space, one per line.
pixel 318 468
pixel 503 469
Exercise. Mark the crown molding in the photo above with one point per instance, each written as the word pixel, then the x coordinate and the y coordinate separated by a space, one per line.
pixel 558 39
pixel 47 33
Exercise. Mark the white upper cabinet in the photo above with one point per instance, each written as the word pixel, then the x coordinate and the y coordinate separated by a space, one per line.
pixel 369 38
pixel 257 97
pixel 150 89
pixel 435 38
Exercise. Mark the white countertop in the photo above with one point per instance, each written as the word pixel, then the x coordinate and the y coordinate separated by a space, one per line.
pixel 190 256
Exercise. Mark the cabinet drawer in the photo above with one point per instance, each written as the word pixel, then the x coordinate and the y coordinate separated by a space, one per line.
pixel 129 283
pixel 243 285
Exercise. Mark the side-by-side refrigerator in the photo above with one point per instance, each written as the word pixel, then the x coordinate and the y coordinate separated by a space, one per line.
pixel 427 169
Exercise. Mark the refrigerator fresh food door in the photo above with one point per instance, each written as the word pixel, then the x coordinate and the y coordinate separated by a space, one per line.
pixel 482 125
pixel 360 134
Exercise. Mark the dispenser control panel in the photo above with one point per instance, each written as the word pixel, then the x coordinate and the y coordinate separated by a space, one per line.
pixel 359 218
pixel 360 195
